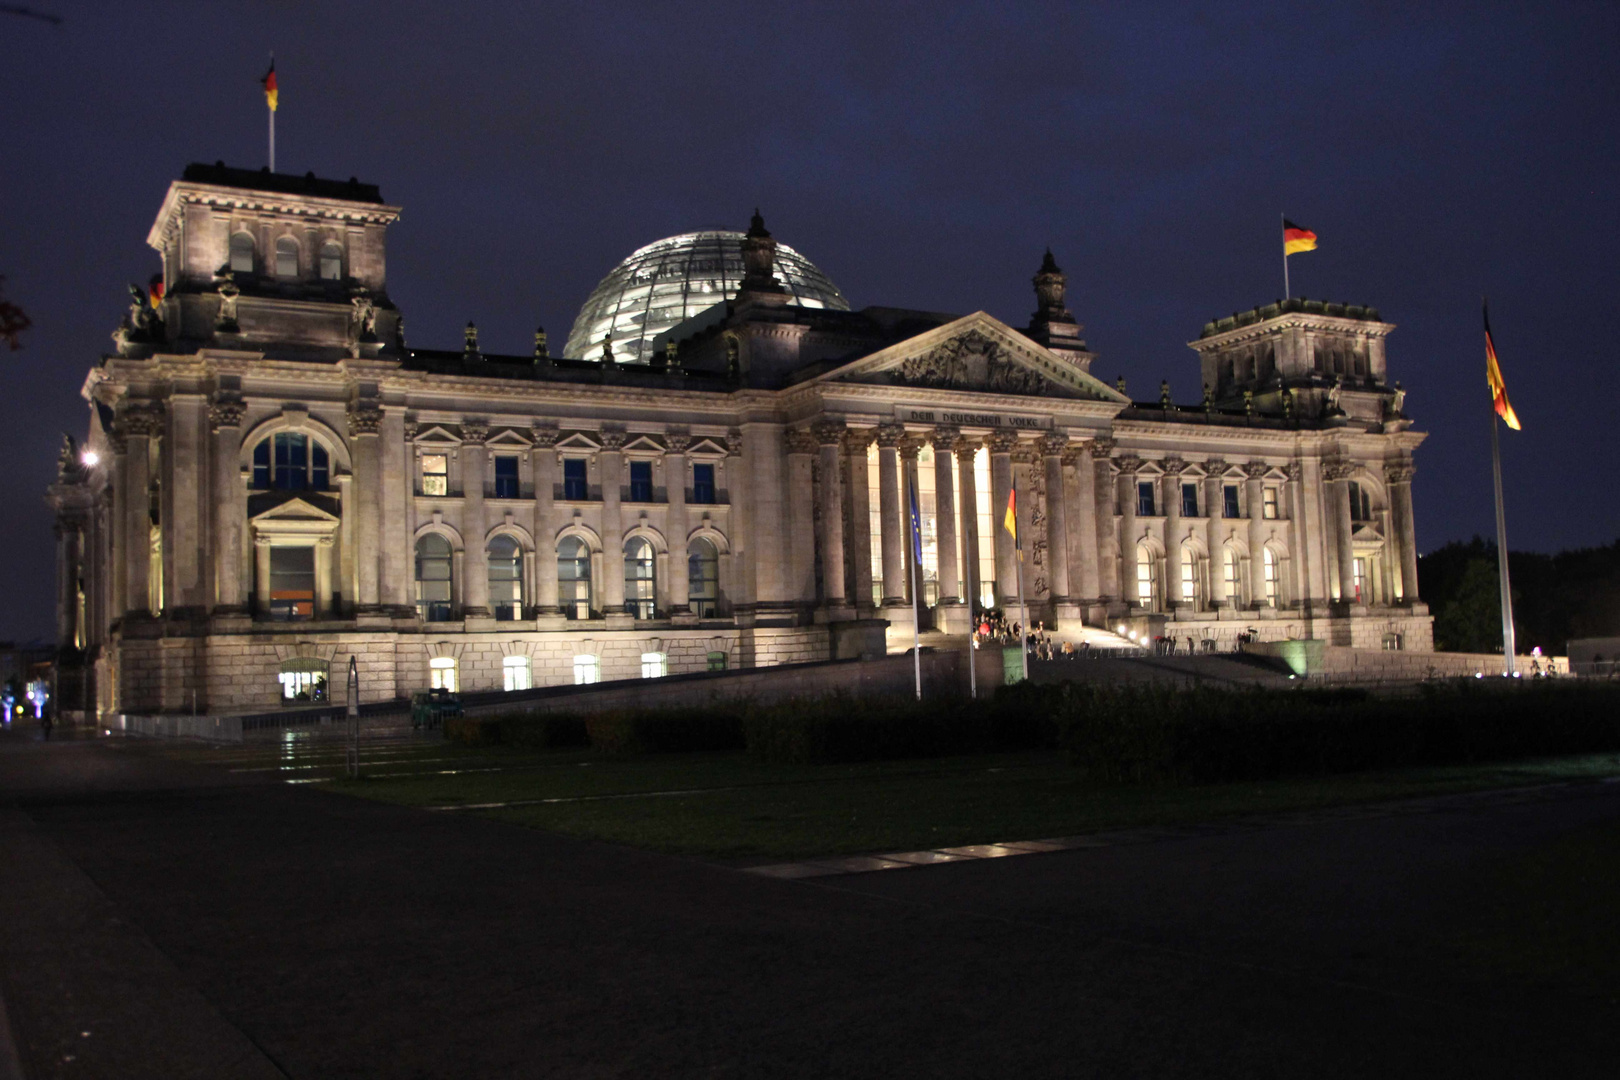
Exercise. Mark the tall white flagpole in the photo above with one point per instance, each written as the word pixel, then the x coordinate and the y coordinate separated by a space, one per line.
pixel 1286 293
pixel 916 580
pixel 1023 605
pixel 1502 548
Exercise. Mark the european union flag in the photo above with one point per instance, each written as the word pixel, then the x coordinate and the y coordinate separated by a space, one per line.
pixel 916 527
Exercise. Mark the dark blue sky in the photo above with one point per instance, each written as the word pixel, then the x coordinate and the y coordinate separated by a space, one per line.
pixel 923 154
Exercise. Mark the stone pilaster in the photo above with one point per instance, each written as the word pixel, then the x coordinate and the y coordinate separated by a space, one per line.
pixel 139 424
pixel 801 448
pixel 474 475
pixel 544 467
pixel 1002 443
pixel 829 435
pixel 1108 526
pixel 1170 485
pixel 611 465
pixel 1214 507
pixel 966 450
pixel 396 564
pixel 1337 475
pixel 230 524
pixel 1255 472
pixel 858 519
pixel 1399 479
pixel 889 438
pixel 365 422
pixel 1128 465
pixel 1082 529
pixel 676 443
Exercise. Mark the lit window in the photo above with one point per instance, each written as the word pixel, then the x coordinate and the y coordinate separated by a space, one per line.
pixel 505 578
pixel 574 577
pixel 515 669
pixel 286 257
pixel 654 665
pixel 506 476
pixel 241 253
pixel 639 594
pixel 575 485
pixel 1189 575
pixel 717 661
pixel 1144 498
pixel 303 682
pixel 1144 577
pixel 331 261
pixel 433 558
pixel 1229 574
pixel 1271 577
pixel 442 674
pixel 641 488
pixel 435 474
pixel 587 669
pixel 703 483
pixel 1230 501
pixel 1360 571
pixel 702 578
pixel 1269 503
pixel 1189 500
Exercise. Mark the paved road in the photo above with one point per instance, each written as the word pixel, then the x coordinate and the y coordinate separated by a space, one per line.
pixel 199 924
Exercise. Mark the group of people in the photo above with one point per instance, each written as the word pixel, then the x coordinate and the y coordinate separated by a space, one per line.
pixel 995 629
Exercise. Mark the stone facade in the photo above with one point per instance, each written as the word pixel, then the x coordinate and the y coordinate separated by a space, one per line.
pixel 274 481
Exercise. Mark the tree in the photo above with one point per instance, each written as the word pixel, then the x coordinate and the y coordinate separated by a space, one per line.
pixel 13 320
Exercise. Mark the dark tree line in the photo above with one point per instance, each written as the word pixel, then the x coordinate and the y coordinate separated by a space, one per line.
pixel 1572 594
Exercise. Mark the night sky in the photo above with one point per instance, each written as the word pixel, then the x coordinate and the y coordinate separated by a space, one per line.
pixel 923 155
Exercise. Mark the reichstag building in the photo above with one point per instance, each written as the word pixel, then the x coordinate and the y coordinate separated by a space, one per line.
pixel 713 474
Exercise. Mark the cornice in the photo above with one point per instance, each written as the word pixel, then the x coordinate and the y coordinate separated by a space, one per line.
pixel 1295 320
pixel 184 193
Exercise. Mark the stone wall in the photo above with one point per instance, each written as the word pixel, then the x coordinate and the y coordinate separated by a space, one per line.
pixel 1335 663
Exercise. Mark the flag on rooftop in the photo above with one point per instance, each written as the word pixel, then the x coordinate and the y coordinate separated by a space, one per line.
pixel 269 82
pixel 1297 238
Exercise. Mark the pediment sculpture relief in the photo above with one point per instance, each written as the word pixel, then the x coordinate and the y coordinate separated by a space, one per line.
pixel 970 362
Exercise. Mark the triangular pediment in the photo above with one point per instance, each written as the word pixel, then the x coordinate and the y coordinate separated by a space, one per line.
pixel 296 509
pixel 578 440
pixel 1364 533
pixel 509 439
pixel 643 444
pixel 980 354
pixel 706 446
pixel 436 433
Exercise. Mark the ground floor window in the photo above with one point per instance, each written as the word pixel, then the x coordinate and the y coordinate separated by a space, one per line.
pixel 717 661
pixel 303 682
pixel 587 669
pixel 654 665
pixel 515 670
pixel 442 674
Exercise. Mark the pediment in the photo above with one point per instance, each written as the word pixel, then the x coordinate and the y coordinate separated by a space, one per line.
pixel 643 444
pixel 296 510
pixel 437 433
pixel 509 439
pixel 706 447
pixel 578 440
pixel 1364 533
pixel 976 353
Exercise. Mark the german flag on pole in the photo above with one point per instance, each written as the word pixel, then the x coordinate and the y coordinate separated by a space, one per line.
pixel 1493 376
pixel 1297 239
pixel 1010 522
pixel 269 82
pixel 154 290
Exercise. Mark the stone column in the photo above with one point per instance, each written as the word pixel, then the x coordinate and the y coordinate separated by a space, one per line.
pixel 1082 543
pixel 1057 526
pixel 859 518
pixel 1255 471
pixel 966 450
pixel 396 556
pixel 185 539
pixel 1128 466
pixel 474 470
pixel 1399 479
pixel 889 438
pixel 1337 475
pixel 801 512
pixel 676 444
pixel 261 576
pixel 950 583
pixel 544 465
pixel 611 464
pixel 67 573
pixel 365 420
pixel 1214 500
pixel 1300 578
pixel 1107 536
pixel 225 421
pixel 1002 443
pixel 1171 485
pixel 324 550
pixel 829 435
pixel 140 423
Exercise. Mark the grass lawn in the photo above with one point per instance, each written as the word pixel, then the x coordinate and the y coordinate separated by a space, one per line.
pixel 727 806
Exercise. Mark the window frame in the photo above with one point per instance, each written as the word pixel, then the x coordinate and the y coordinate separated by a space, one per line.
pixel 508 484
pixel 1270 502
pixel 654 665
pixel 436 483
pixel 576 488
pixel 284 246
pixel 587 669
pixel 517 670
pixel 250 249
pixel 1231 506
pixel 574 606
pixel 327 248
pixel 434 609
pixel 1145 498
pixel 705 493
pixel 444 674
pixel 698 599
pixel 640 591
pixel 509 608
pixel 641 488
pixel 1189 499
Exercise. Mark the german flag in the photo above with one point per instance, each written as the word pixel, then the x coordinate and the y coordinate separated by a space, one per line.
pixel 1493 376
pixel 154 290
pixel 1297 239
pixel 1010 522
pixel 269 82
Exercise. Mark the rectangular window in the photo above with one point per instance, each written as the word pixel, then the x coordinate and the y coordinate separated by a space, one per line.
pixel 1269 503
pixel 435 474
pixel 641 481
pixel 1229 498
pixel 654 665
pixel 442 674
pixel 1144 581
pixel 1189 500
pixel 717 661
pixel 703 483
pixel 506 476
pixel 261 465
pixel 1144 499
pixel 587 669
pixel 1360 570
pixel 292 582
pixel 516 672
pixel 576 487
pixel 1189 577
pixel 1360 503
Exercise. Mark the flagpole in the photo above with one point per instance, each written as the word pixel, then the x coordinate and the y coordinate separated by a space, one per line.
pixel 1023 606
pixel 916 581
pixel 1286 293
pixel 1502 548
pixel 272 140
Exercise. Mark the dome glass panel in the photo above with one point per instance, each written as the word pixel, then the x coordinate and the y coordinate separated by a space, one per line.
pixel 670 281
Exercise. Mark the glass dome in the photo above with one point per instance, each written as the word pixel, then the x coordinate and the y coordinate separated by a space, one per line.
pixel 669 281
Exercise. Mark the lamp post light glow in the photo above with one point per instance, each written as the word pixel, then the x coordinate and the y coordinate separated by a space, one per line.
pixel 89 458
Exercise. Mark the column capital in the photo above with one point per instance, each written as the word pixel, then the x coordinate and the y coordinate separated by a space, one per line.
pixel 1173 466
pixel 1002 440
pixel 944 436
pixel 910 447
pixel 890 435
pixel 544 436
pixel 1293 471
pixel 856 440
pixel 365 417
pixel 1053 443
pixel 1255 470
pixel 734 443
pixel 1074 452
pixel 1399 473
pixel 140 419
pixel 800 442
pixel 474 431
pixel 612 440
pixel 677 441
pixel 1215 468
pixel 1128 464
pixel 1337 470
pixel 1025 454
pixel 966 448
pixel 1101 448
pixel 827 431
pixel 225 411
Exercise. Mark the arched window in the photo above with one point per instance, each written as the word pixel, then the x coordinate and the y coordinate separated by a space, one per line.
pixel 442 674
pixel 574 577
pixel 1147 577
pixel 241 253
pixel 639 597
pixel 286 257
pixel 703 578
pixel 288 461
pixel 1189 575
pixel 433 559
pixel 331 261
pixel 1230 575
pixel 1270 577
pixel 505 578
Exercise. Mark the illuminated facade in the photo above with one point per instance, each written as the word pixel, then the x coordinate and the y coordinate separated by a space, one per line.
pixel 273 481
